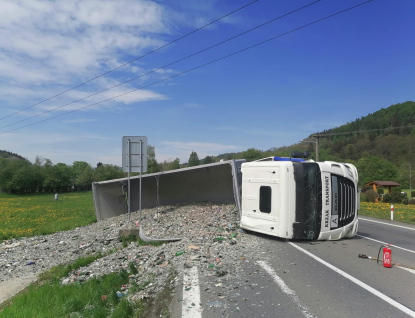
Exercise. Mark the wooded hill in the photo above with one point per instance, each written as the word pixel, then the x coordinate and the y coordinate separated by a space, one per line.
pixel 10 155
pixel 381 145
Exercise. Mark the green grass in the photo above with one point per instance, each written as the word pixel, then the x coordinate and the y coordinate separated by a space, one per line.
pixel 41 214
pixel 94 298
pixel 401 212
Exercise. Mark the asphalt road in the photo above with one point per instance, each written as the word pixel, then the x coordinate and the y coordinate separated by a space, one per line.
pixel 321 278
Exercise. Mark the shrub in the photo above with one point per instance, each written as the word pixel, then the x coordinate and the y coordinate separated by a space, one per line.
pixel 371 195
pixel 380 191
pixel 411 201
pixel 394 197
pixel 362 197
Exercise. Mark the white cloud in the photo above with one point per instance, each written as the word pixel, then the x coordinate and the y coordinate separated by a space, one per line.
pixel 47 44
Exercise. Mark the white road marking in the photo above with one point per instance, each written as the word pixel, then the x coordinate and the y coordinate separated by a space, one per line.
pixel 191 294
pixel 384 243
pixel 287 290
pixel 402 227
pixel 358 282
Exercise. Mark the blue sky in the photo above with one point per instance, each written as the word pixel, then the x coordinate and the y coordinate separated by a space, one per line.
pixel 272 95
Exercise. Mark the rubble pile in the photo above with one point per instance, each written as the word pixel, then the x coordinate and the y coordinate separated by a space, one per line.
pixel 210 239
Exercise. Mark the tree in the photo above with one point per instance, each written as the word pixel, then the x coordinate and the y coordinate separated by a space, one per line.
pixel 82 174
pixel 374 168
pixel 208 159
pixel 62 177
pixel 175 164
pixel 252 154
pixel 193 159
pixel 108 172
pixel 152 164
pixel 22 180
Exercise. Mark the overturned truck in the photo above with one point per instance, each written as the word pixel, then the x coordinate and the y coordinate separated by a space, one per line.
pixel 290 198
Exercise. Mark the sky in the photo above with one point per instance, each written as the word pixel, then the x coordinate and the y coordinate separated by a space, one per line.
pixel 206 76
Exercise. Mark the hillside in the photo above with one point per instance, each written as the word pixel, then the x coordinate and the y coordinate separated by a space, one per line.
pixel 10 155
pixel 381 145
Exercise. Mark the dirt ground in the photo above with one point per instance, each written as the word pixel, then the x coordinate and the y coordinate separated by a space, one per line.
pixel 10 288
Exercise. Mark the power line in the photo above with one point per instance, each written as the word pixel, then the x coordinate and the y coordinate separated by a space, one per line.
pixel 197 67
pixel 318 135
pixel 133 60
pixel 161 67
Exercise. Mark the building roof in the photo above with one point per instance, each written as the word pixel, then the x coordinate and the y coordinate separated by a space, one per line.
pixel 384 183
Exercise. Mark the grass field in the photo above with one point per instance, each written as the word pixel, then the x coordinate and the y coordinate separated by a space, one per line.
pixel 39 214
pixel 401 212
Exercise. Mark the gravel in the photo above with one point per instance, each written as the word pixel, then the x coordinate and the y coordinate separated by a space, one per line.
pixel 211 240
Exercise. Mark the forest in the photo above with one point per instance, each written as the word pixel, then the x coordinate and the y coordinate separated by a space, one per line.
pixel 381 145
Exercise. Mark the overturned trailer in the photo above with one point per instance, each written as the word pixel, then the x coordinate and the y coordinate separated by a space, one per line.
pixel 216 182
pixel 291 198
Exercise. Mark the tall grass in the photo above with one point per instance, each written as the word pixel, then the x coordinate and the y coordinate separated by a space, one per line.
pixel 40 214
pixel 94 298
pixel 401 212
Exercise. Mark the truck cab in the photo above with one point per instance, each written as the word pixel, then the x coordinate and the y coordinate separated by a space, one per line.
pixel 294 198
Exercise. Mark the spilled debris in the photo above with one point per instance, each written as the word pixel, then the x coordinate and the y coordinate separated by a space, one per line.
pixel 212 241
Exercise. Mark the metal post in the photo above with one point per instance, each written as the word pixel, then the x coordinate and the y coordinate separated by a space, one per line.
pixel 129 185
pixel 141 172
pixel 317 157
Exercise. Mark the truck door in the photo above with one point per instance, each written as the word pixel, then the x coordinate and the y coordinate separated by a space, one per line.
pixel 261 202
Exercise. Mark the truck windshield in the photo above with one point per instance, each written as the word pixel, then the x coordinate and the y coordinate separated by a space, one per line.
pixel 308 201
pixel 312 200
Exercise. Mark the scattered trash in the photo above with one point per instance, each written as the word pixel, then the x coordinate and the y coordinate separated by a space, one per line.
pixel 209 237
pixel 193 247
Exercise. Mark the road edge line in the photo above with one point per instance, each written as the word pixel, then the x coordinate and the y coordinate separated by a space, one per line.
pixel 384 223
pixel 358 282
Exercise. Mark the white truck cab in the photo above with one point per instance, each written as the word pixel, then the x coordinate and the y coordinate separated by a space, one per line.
pixel 295 198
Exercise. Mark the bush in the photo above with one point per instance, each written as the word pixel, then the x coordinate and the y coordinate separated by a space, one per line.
pixel 371 195
pixel 411 201
pixel 394 197
pixel 380 191
pixel 362 197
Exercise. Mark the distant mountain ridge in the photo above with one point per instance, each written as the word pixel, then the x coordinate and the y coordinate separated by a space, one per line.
pixel 10 155
pixel 397 119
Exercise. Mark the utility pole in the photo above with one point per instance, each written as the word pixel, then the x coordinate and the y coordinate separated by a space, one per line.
pixel 317 138
pixel 316 142
pixel 410 181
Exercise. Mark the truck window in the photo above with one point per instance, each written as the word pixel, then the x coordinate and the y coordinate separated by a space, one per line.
pixel 265 199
